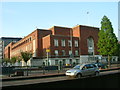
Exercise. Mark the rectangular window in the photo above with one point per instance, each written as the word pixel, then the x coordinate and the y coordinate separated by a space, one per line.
pixel 56 42
pixel 69 43
pixel 76 43
pixel 70 61
pixel 63 52
pixel 76 52
pixel 56 62
pixel 34 46
pixel 56 52
pixel 70 52
pixel 77 61
pixel 63 42
pixel 64 61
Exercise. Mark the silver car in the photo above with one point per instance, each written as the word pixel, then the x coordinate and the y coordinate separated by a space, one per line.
pixel 83 70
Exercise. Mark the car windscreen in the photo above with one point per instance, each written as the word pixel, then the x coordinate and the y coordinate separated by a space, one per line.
pixel 77 67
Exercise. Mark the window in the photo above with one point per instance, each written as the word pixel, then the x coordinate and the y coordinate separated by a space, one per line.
pixel 70 61
pixel 56 52
pixel 63 52
pixel 63 42
pixel 30 38
pixel 90 43
pixel 69 43
pixel 77 61
pixel 90 52
pixel 70 52
pixel 56 62
pixel 76 52
pixel 55 42
pixel 76 43
pixel 64 61
pixel 89 66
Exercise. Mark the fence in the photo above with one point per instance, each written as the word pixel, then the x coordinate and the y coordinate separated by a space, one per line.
pixel 25 71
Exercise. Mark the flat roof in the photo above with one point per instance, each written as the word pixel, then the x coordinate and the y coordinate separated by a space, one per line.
pixel 11 38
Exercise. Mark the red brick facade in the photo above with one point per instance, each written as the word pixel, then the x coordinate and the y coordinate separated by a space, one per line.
pixel 84 32
pixel 39 40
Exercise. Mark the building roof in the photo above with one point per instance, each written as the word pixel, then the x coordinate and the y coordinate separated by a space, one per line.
pixel 2 38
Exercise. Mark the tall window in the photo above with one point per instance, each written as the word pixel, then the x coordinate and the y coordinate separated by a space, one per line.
pixel 63 42
pixel 76 52
pixel 56 62
pixel 70 52
pixel 56 42
pixel 69 43
pixel 64 61
pixel 70 61
pixel 77 61
pixel 56 52
pixel 76 43
pixel 63 52
pixel 90 43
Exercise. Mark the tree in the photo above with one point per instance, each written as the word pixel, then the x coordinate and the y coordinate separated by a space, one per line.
pixel 107 42
pixel 26 56
pixel 5 61
pixel 13 60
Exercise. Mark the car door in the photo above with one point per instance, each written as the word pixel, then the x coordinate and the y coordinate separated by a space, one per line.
pixel 91 69
pixel 85 70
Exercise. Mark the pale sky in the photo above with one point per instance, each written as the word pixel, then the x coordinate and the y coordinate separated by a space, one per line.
pixel 21 18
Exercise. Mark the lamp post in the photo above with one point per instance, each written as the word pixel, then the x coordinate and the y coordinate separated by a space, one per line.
pixel 48 50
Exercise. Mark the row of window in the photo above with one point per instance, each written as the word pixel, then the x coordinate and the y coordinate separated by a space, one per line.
pixel 23 42
pixel 64 61
pixel 24 48
pixel 56 52
pixel 63 42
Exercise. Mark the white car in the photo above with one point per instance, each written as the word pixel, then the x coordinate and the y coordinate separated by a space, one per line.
pixel 83 70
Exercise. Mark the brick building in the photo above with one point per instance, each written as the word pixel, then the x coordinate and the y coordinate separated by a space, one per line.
pixel 69 45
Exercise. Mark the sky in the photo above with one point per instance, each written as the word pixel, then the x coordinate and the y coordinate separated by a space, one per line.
pixel 19 19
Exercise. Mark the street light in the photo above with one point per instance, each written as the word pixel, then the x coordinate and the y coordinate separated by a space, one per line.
pixel 48 50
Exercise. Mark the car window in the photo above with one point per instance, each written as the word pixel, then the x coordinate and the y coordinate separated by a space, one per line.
pixel 94 65
pixel 89 66
pixel 84 67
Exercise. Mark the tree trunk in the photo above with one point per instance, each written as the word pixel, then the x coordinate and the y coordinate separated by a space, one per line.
pixel 26 68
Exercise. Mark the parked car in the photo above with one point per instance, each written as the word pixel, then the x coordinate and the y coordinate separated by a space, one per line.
pixel 83 70
pixel 101 65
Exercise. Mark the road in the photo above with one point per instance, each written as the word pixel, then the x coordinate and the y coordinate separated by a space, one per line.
pixel 46 80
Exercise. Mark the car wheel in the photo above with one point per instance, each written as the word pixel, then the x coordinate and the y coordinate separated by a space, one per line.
pixel 79 76
pixel 96 73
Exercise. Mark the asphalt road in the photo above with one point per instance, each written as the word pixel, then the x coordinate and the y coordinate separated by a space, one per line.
pixel 46 80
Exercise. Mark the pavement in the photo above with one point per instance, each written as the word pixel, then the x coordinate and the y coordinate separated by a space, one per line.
pixel 47 75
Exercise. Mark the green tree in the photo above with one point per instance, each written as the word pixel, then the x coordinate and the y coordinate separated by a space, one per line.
pixel 5 61
pixel 13 60
pixel 107 42
pixel 26 56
